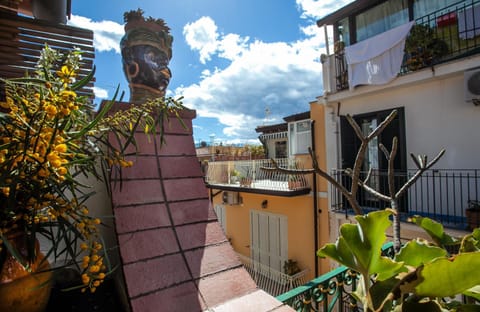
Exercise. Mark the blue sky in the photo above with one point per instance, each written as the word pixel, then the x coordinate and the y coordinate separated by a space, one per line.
pixel 232 59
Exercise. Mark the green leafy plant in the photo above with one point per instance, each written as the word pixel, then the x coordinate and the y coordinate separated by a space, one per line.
pixel 423 276
pixel 423 48
pixel 52 139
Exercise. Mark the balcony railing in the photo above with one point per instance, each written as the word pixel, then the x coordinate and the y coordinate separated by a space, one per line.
pixel 247 176
pixel 440 194
pixel 270 280
pixel 329 292
pixel 456 33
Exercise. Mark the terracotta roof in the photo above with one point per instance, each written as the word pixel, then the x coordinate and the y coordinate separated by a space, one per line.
pixel 272 128
pixel 282 126
pixel 296 117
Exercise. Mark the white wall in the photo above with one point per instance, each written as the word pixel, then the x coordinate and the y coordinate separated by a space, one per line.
pixel 436 115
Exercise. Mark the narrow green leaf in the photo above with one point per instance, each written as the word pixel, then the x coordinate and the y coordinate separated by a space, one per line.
pixel 84 81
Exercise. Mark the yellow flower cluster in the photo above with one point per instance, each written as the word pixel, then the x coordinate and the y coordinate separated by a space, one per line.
pixel 52 142
pixel 93 268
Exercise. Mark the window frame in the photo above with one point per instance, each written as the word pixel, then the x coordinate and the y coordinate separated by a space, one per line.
pixel 293 137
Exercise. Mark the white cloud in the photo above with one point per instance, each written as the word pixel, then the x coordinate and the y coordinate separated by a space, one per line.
pixel 107 34
pixel 100 93
pixel 317 9
pixel 202 35
pixel 282 76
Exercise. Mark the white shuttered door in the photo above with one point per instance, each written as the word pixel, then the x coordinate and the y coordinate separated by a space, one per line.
pixel 220 211
pixel 268 239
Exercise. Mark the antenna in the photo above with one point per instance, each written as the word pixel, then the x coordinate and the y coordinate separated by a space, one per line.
pixel 267 114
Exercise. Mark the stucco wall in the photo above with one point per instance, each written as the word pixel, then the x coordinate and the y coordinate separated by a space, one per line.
pixel 436 114
pixel 299 213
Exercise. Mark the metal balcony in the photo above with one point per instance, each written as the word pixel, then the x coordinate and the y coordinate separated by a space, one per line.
pixel 270 280
pixel 441 194
pixel 456 32
pixel 247 176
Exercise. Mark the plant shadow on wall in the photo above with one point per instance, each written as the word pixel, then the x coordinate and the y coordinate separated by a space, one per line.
pixel 51 140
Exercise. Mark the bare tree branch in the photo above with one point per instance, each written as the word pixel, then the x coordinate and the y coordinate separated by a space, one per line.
pixel 382 125
pixel 420 171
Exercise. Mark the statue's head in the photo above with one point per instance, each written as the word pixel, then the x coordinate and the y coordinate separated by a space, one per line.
pixel 146 51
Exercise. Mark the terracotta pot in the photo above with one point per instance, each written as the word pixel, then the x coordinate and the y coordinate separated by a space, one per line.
pixel 473 218
pixel 22 290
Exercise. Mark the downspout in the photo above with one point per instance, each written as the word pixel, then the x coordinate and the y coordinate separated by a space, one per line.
pixel 315 202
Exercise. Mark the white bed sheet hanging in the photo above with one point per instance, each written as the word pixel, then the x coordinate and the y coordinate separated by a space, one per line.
pixel 377 60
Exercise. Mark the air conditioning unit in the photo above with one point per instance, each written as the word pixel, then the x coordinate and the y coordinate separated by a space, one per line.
pixel 472 86
pixel 231 198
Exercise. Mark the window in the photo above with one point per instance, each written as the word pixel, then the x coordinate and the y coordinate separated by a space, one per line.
pixel 221 216
pixel 425 7
pixel 299 137
pixel 344 31
pixel 374 159
pixel 280 149
pixel 381 18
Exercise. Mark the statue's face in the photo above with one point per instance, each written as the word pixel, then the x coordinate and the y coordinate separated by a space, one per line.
pixel 146 65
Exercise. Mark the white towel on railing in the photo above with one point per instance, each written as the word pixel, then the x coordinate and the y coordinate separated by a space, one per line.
pixel 469 22
pixel 377 60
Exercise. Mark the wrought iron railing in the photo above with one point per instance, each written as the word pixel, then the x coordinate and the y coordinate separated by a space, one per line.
pixel 247 174
pixel 440 194
pixel 270 280
pixel 329 292
pixel 456 29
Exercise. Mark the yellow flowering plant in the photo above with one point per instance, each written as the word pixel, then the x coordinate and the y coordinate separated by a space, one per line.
pixel 52 139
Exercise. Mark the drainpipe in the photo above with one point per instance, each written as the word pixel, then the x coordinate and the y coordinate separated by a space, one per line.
pixel 315 203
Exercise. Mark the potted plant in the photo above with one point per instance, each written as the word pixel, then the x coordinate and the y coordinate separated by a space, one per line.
pixel 422 48
pixel 234 176
pixel 290 267
pixel 246 180
pixel 51 139
pixel 473 214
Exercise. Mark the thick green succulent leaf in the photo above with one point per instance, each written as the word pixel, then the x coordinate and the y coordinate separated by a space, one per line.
pixel 469 308
pixel 418 252
pixel 429 306
pixel 435 230
pixel 340 252
pixel 445 277
pixel 379 294
pixel 473 292
pixel 471 242
pixel 386 268
pixel 359 246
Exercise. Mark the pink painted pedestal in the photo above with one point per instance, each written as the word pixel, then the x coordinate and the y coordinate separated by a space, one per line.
pixel 175 256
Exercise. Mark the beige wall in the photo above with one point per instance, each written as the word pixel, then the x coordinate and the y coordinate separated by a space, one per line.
pixel 299 213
